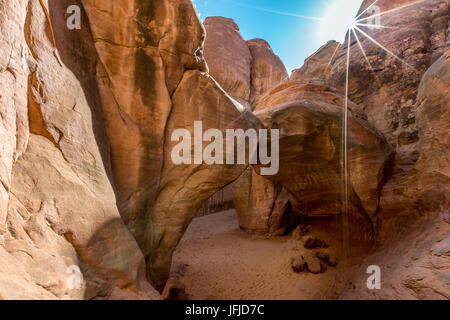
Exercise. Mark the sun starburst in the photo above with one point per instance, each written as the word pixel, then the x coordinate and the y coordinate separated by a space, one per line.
pixel 354 30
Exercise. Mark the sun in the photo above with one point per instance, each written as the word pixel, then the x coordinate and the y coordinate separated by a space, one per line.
pixel 339 17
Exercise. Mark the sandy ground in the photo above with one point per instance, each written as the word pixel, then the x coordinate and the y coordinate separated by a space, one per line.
pixel 217 260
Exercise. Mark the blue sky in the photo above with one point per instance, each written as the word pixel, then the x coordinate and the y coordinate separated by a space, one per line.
pixel 291 37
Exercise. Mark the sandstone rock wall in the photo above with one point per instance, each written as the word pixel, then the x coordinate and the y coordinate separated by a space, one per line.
pixel 228 57
pixel 86 123
pixel 420 230
pixel 268 71
pixel 310 120
pixel 87 116
pixel 262 206
pixel 246 70
pixel 60 202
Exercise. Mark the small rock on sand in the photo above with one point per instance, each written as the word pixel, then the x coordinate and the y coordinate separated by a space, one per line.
pixel 313 243
pixel 306 262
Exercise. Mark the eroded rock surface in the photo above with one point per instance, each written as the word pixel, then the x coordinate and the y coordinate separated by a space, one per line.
pixel 246 70
pixel 268 71
pixel 184 188
pixel 418 36
pixel 165 43
pixel 228 57
pixel 318 65
pixel 310 120
pixel 262 207
pixel 87 118
pixel 61 208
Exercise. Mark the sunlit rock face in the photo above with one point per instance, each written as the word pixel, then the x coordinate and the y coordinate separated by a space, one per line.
pixel 145 48
pixel 410 105
pixel 58 207
pixel 86 177
pixel 417 34
pixel 246 70
pixel 384 5
pixel 158 78
pixel 184 188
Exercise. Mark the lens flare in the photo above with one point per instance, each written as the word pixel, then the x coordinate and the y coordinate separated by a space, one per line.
pixel 339 17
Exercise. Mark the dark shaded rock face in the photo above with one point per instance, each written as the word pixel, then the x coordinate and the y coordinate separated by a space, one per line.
pixel 86 123
pixel 228 57
pixel 262 206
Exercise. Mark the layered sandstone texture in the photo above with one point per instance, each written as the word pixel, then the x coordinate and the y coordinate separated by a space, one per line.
pixel 158 83
pixel 86 122
pixel 58 207
pixel 422 271
pixel 399 77
pixel 262 207
pixel 310 119
pixel 246 70
pixel 87 180
pixel 318 65
pixel 229 58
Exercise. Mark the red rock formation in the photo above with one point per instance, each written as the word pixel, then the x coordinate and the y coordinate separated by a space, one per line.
pixel 184 188
pixel 310 121
pixel 55 169
pixel 318 65
pixel 417 34
pixel 86 119
pixel 87 139
pixel 228 57
pixel 245 70
pixel 262 207
pixel 420 229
